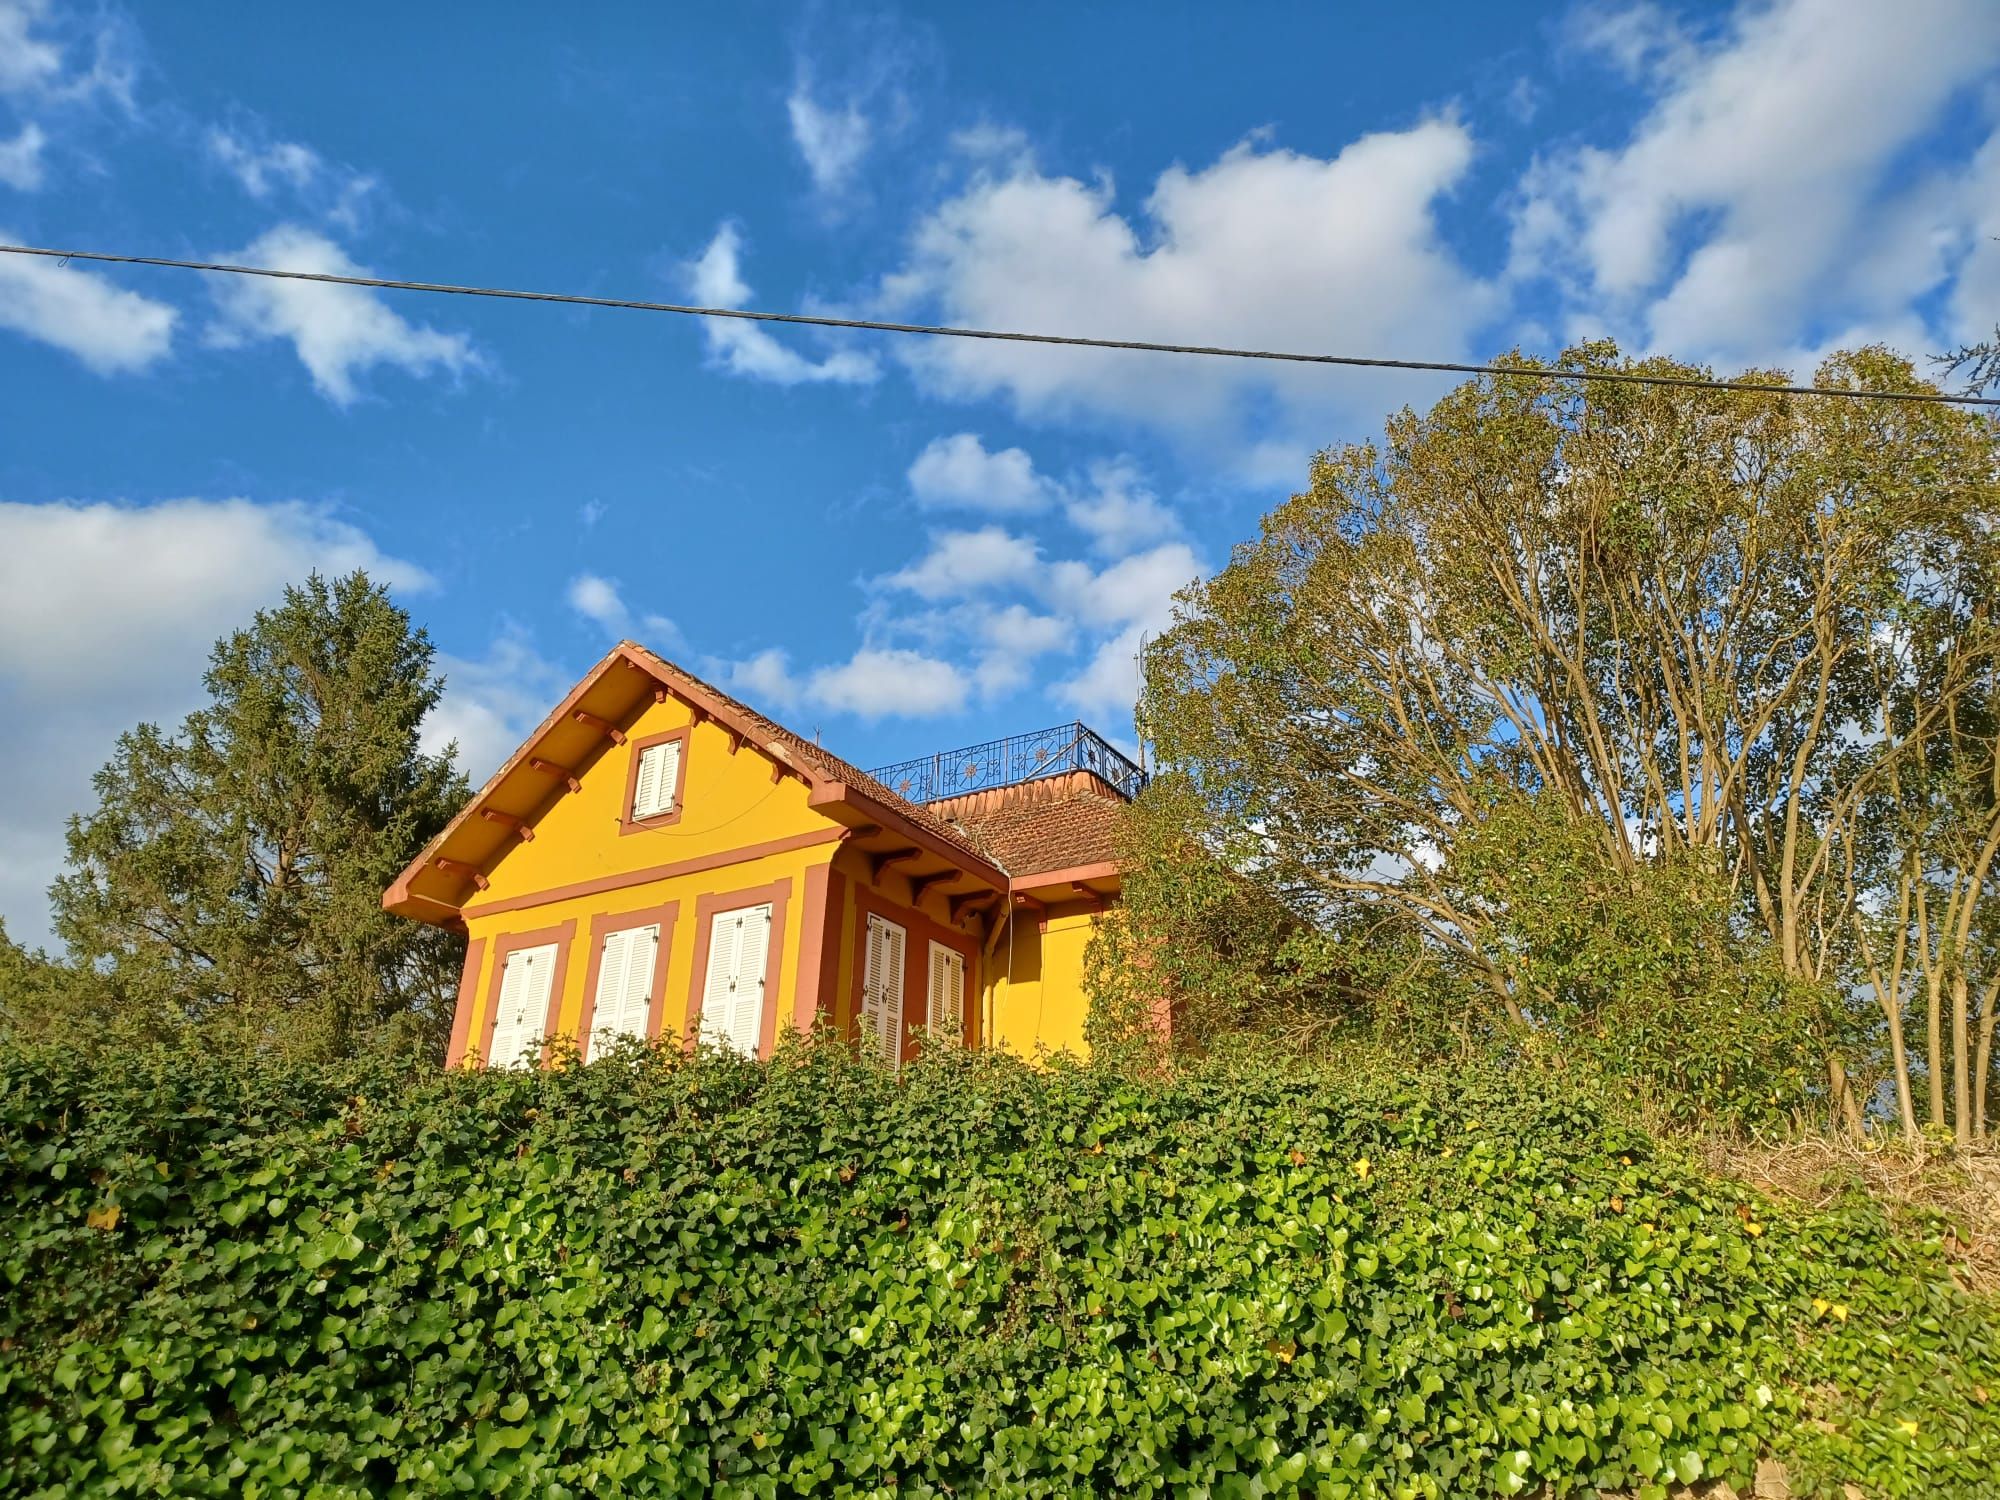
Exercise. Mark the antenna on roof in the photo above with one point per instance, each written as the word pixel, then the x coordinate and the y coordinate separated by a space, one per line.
pixel 1138 716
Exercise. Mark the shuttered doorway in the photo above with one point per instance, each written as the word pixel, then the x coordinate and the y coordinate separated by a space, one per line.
pixel 732 996
pixel 624 1002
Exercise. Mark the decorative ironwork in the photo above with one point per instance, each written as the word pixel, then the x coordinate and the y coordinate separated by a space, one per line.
pixel 1018 758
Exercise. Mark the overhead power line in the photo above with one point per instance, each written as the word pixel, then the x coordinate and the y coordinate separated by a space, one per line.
pixel 1065 340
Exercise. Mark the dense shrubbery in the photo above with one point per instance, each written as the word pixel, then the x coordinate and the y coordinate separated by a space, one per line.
pixel 655 1276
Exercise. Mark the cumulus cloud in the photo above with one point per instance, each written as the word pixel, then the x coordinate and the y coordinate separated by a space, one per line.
pixel 832 141
pixel 492 703
pixel 1108 686
pixel 959 472
pixel 338 332
pixel 961 563
pixel 600 601
pixel 1118 510
pixel 1265 246
pixel 714 279
pixel 128 599
pixel 21 158
pixel 111 330
pixel 1757 203
pixel 1136 590
pixel 878 683
pixel 764 679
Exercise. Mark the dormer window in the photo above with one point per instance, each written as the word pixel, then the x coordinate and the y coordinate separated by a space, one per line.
pixel 653 786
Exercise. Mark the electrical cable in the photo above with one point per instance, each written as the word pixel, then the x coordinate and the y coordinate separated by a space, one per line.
pixel 1077 341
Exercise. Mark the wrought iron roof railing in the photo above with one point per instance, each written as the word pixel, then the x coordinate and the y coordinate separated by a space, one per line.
pixel 1018 758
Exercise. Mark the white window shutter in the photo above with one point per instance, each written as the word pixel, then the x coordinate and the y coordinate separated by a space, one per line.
pixel 523 1006
pixel 659 773
pixel 746 1020
pixel 732 1002
pixel 882 991
pixel 624 1000
pixel 947 989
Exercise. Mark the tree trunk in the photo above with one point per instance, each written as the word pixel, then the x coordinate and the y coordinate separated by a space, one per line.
pixel 1846 1108
pixel 1961 1061
pixel 1899 1060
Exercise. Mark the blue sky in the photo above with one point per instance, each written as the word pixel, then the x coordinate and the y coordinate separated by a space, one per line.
pixel 900 545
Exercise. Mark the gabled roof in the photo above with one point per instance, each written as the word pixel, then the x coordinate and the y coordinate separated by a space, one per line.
pixel 436 884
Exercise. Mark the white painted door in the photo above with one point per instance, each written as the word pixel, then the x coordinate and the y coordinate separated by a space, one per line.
pixel 947 991
pixel 732 996
pixel 523 1013
pixel 624 1002
pixel 882 991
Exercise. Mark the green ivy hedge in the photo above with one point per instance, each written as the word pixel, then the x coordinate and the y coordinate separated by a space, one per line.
pixel 711 1277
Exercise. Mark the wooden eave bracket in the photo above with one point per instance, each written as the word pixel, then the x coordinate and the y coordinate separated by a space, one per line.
pixel 919 884
pixel 561 773
pixel 957 906
pixel 508 821
pixel 879 864
pixel 602 726
pixel 460 869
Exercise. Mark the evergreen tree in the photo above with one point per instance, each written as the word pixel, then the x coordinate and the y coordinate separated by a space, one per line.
pixel 230 878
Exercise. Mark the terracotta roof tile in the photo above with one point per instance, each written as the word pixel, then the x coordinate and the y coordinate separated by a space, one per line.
pixel 822 760
pixel 1032 836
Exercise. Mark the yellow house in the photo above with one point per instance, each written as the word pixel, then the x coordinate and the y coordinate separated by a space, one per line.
pixel 662 860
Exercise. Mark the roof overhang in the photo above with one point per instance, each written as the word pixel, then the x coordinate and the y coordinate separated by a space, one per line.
pixel 450 872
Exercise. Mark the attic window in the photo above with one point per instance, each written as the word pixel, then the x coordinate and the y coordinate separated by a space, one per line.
pixel 656 780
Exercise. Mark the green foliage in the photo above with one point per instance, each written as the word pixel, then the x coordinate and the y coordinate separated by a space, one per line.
pixel 653 1275
pixel 1642 721
pixel 230 878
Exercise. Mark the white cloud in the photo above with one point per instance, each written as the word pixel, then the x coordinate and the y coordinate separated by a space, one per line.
pixel 714 279
pixel 492 704
pixel 111 330
pixel 1637 38
pixel 35 42
pixel 1265 247
pixel 1763 198
pixel 765 679
pixel 877 683
pixel 832 141
pixel 338 331
pixel 962 563
pixel 958 471
pixel 261 169
pixel 21 158
pixel 600 600
pixel 1118 510
pixel 1108 686
pixel 1137 590
pixel 266 167
pixel 27 62
pixel 107 614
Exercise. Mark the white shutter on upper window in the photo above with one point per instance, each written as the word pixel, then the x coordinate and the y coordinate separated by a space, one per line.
pixel 947 989
pixel 732 999
pixel 659 774
pixel 523 1006
pixel 882 991
pixel 624 1001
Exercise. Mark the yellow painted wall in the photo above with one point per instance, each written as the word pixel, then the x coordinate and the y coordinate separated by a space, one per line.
pixel 1034 991
pixel 729 803
pixel 930 920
